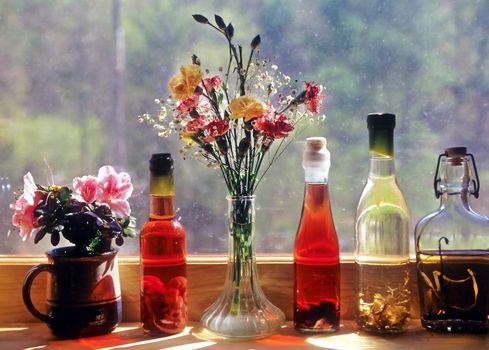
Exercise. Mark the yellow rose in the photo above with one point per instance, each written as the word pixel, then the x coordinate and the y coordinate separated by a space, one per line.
pixel 247 107
pixel 183 84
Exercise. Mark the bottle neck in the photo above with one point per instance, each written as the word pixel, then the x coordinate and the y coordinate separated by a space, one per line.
pixel 381 167
pixel 381 142
pixel 454 184
pixel 316 175
pixel 381 152
pixel 162 191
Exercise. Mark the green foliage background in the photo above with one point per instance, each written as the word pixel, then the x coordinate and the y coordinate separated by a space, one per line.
pixel 426 61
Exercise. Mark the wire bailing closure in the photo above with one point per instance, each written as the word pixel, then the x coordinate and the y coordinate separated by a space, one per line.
pixel 473 185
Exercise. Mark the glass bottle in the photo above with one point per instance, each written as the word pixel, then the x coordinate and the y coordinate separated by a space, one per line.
pixel 382 238
pixel 163 265
pixel 452 252
pixel 316 250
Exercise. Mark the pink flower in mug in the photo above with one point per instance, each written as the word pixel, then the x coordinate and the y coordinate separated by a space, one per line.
pixel 30 188
pixel 188 104
pixel 273 124
pixel 85 188
pixel 24 207
pixel 313 98
pixel 212 82
pixel 114 189
pixel 216 128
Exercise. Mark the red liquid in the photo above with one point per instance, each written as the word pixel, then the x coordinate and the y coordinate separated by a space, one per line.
pixel 163 277
pixel 317 265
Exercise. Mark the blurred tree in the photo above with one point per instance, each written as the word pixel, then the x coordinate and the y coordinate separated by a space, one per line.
pixel 426 61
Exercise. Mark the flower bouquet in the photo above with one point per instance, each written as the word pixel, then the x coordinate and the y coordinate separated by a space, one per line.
pixel 239 121
pixel 90 216
pixel 84 297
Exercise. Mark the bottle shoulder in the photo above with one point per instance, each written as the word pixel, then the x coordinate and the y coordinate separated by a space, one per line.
pixel 463 228
pixel 382 196
pixel 167 227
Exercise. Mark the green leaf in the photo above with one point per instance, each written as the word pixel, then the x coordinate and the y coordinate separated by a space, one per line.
pixel 201 19
pixel 94 243
pixel 220 22
pixel 40 234
pixel 64 194
pixel 229 31
pixel 55 238
pixel 219 95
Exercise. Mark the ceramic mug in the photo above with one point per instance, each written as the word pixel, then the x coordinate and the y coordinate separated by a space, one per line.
pixel 83 296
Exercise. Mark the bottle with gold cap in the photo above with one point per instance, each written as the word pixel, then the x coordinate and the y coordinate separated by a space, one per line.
pixel 382 238
pixel 452 252
pixel 163 265
pixel 316 250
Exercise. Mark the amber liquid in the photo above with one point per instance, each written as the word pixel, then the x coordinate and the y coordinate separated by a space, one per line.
pixel 163 273
pixel 316 263
pixel 454 290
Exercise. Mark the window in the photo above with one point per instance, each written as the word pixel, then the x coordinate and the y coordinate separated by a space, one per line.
pixel 425 61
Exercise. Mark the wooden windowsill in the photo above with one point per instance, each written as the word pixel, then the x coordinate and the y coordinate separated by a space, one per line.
pixel 130 336
pixel 206 275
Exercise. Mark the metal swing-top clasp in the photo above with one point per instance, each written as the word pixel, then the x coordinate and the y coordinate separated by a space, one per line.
pixel 455 154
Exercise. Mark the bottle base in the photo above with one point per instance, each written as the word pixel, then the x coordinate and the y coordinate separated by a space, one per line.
pixel 456 326
pixel 244 326
pixel 306 330
pixel 377 330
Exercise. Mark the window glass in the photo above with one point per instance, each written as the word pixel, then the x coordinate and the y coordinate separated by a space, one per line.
pixel 426 61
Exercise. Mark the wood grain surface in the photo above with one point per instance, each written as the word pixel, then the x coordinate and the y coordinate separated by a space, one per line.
pixel 205 276
pixel 130 336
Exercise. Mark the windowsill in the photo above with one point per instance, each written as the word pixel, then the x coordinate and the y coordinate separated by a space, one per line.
pixel 206 275
pixel 130 336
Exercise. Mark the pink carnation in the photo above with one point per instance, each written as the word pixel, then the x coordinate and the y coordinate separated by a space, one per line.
pixel 188 104
pixel 215 128
pixel 114 189
pixel 85 188
pixel 313 98
pixel 195 125
pixel 212 82
pixel 273 124
pixel 24 207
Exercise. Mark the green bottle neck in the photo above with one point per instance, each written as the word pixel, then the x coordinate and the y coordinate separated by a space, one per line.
pixel 381 142
pixel 162 192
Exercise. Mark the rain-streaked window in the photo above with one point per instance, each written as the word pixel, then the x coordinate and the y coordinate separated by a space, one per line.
pixel 72 83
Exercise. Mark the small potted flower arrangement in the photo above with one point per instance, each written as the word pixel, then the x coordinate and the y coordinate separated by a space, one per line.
pixel 84 295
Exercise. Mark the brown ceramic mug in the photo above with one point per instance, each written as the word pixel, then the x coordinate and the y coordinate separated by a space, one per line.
pixel 83 296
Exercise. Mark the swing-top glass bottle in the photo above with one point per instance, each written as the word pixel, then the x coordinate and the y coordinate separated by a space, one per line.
pixel 452 251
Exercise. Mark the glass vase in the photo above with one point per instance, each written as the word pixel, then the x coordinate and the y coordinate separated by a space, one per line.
pixel 242 310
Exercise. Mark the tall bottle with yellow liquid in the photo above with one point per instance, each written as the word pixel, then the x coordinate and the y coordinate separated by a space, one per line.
pixel 382 238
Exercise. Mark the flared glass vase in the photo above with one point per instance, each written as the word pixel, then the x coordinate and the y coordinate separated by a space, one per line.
pixel 242 310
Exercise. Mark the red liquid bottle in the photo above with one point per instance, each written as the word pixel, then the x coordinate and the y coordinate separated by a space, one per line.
pixel 163 265
pixel 316 251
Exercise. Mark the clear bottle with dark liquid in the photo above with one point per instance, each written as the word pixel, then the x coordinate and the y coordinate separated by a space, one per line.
pixel 163 262
pixel 316 250
pixel 451 251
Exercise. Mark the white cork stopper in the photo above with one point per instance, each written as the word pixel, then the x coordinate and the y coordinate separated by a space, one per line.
pixel 316 160
pixel 316 155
